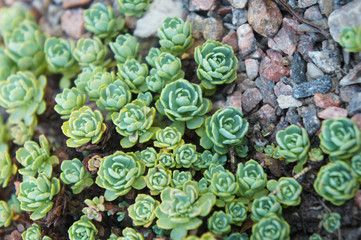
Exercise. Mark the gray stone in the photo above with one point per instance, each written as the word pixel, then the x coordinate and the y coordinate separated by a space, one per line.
pixel 306 44
pixel 323 60
pixel 313 13
pixel 246 40
pixel 298 69
pixel 250 99
pixel 306 3
pixel 313 72
pixel 320 85
pixel 212 29
pixel 326 6
pixel 286 38
pixel 292 116
pixel 252 67
pixel 353 77
pixel 287 101
pixel 238 3
pixel 355 104
pixel 266 88
pixel 197 24
pixel 282 89
pixel 347 92
pixel 311 121
pixel 239 16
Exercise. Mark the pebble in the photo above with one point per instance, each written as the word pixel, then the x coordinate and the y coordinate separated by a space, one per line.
pixel 313 72
pixel 347 92
pixel 282 124
pixel 238 3
pixel 298 69
pixel 357 119
pixel 72 23
pixel 250 99
pixel 239 16
pixel 326 6
pixel 313 13
pixel 231 40
pixel 286 38
pixel 258 54
pixel 311 121
pixel 75 3
pixel 282 89
pixel 332 113
pixel 292 116
pixel 246 40
pixel 267 113
pixel 272 67
pixel 252 67
pixel 323 60
pixel 354 76
pixel 355 104
pixel 197 24
pixel 234 100
pixel 247 83
pixel 287 101
pixel 327 100
pixel 213 29
pixel 305 45
pixel 204 5
pixel 264 16
pixel 266 88
pixel 306 3
pixel 349 15
pixel 321 85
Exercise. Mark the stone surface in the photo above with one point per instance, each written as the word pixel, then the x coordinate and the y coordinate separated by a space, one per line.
pixel 250 98
pixel 267 113
pixel 247 83
pixel 327 100
pixel 72 23
pixel 320 85
pixel 313 72
pixel 239 16
pixel 197 24
pixel 286 38
pixel 257 54
pixel 310 120
pixel 287 101
pixel 306 3
pixel 357 119
pixel 313 13
pixel 272 67
pixel 152 19
pixel 238 3
pixel 355 104
pixel 252 66
pixel 305 45
pixel 292 116
pixel 213 29
pixel 332 113
pixel 298 69
pixel 353 77
pixel 346 16
pixel 204 5
pixel 323 60
pixel 232 40
pixel 75 3
pixel 246 40
pixel 282 89
pixel 347 92
pixel 234 100
pixel 264 17
pixel 266 88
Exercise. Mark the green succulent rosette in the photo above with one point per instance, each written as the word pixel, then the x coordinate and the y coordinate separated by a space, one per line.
pixel 22 96
pixel 237 210
pixel 205 236
pixel 153 54
pixel 133 7
pixel 350 39
pixel 5 136
pixel 180 209
pixel 36 195
pixel 262 207
pixel 182 101
pixel 84 126
pixel 157 179
pixel 287 190
pixel 11 17
pixel 315 236
pixel 6 214
pixel 131 234
pixel 212 169
pixel 82 229
pixel 7 169
pixel 203 186
pixel 331 222
pixel 224 186
pixel 24 46
pixel 21 133
pixel 207 158
pixel 224 129
pixel 271 227
pixel 7 67
pixel 97 81
pixel 316 155
pixel 145 97
pixel 336 183
pixel 242 148
pixel 180 178
pixel 217 65
pixel 102 22
pixel 251 179
pixel 220 223
pixel 186 155
pixel 148 156
pixel 86 75
pixel 34 233
pixel 94 209
pixel 340 138
pixel 118 173
pixel 142 212
pixel 74 173
pixel 166 159
pixel 356 166
pixel 134 122
pixel 68 101
pixel 168 138
pixel 125 47
pixel 90 51
pixel 133 74
pixel 238 236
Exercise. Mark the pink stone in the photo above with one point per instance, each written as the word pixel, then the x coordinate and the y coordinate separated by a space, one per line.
pixel 246 39
pixel 72 22
pixel 267 113
pixel 75 3
pixel 282 89
pixel 234 100
pixel 272 67
pixel 251 97
pixel 327 100
pixel 357 119
pixel 204 5
pixel 332 113
pixel 231 40
pixel 252 68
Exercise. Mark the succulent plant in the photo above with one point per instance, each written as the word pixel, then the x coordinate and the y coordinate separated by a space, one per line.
pixel 11 17
pixel 134 122
pixel 157 179
pixel 7 168
pixel 153 54
pixel 7 67
pixel 315 236
pixel 34 233
pixel 36 158
pixel 356 165
pixel 238 236
pixel 316 154
pixel 82 229
pixel 22 96
pixel 96 82
pixel 224 186
pixel 220 223
pixel 131 234
pixel 251 179
pixel 118 173
pixel 336 183
pixel 68 101
pixel 133 74
pixel 84 126
pixel 237 210
pixel 24 46
pixel 269 149
pixel 182 101
pixel 125 47
pixel 264 206
pixel 94 209
pixel 145 97
pixel 350 39
pixel 4 136
pixel 287 190
pixel 166 159
pixel 133 7
pixel 59 57
pixel 36 195
pixel 148 156
pixel 203 186
pixel 331 221
pixel 168 138
pixel 186 155
pixel 340 138
pixel 21 133
pixel 179 178
pixel 86 75
pixel 205 236
pixel 179 209
pixel 207 158
pixel 101 20
pixel 294 145
pixel 175 35
pixel 217 65
pixel 74 173
pixel 224 129
pixel 142 212
pixel 242 148
pixel 212 169
pixel 90 51
pixel 271 227
pixel 6 214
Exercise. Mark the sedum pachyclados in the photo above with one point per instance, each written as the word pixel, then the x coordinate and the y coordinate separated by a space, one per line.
pixel 350 39
pixel 166 159
pixel 34 233
pixel 20 132
pixel 142 212
pixel 168 138
pixel 133 7
pixel 130 234
pixel 133 74
pixel 271 227
pixel 287 190
pixel 220 223
pixel 179 178
pixel 125 47
pixel 82 229
pixel 7 67
pixel 237 210
pixel 11 17
pixel 224 186
pixel 7 168
pixel 90 51
pixel 68 101
pixel 186 155
pixel 94 208
pixel 264 206
pixel 356 166
pixel 331 221
pixel 157 179
pixel 148 156
pixel 6 214
pixel 153 54
pixel 97 81
pixel 207 158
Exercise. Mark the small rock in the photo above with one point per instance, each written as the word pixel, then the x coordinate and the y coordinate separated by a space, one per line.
pixel 252 66
pixel 235 100
pixel 347 16
pixel 292 116
pixel 320 85
pixel 305 45
pixel 332 113
pixel 286 38
pixel 272 67
pixel 326 6
pixel 313 72
pixel 287 101
pixel 358 198
pixel 327 100
pixel 264 17
pixel 298 69
pixel 197 24
pixel 323 60
pixel 306 3
pixel 239 16
pixel 251 97
pixel 213 29
pixel 231 40
pixel 282 124
pixel 258 54
pixel 353 77
pixel 247 83
pixel 246 39
pixel 347 92
pixel 266 88
pixel 357 119
pixel 311 121
pixel 75 3
pixel 313 13
pixel 72 22
pixel 224 10
pixel 267 113
pixel 238 3
pixel 355 104
pixel 288 81
pixel 204 5
pixel 282 89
